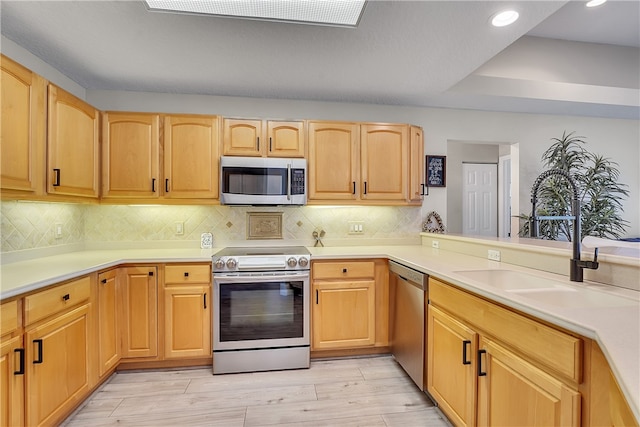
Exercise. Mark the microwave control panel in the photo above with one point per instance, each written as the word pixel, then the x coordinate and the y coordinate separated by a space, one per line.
pixel 297 181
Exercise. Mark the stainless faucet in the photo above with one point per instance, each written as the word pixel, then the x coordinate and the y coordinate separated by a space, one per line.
pixel 576 265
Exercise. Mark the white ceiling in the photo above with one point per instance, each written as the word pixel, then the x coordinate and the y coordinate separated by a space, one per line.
pixel 413 53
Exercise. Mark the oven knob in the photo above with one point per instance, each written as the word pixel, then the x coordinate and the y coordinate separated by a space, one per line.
pixel 219 264
pixel 303 262
pixel 231 263
pixel 292 262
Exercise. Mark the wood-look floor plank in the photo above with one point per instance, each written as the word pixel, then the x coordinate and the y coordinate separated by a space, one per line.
pixel 335 408
pixel 358 392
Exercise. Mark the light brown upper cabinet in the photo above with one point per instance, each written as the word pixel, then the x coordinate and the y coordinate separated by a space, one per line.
pixel 360 163
pixel 384 154
pixel 22 128
pixel 333 161
pixel 259 138
pixel 191 157
pixel 72 145
pixel 130 155
pixel 416 165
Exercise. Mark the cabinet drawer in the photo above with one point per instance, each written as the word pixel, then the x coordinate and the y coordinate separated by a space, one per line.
pixel 557 350
pixel 8 317
pixel 343 270
pixel 187 273
pixel 45 303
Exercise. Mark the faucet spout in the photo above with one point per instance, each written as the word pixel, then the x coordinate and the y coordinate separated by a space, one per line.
pixel 576 265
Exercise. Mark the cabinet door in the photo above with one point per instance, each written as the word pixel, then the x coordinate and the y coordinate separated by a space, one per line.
pixel 416 165
pixel 384 162
pixel 108 321
pixel 191 157
pixel 130 159
pixel 140 319
pixel 72 145
pixel 333 161
pixel 512 392
pixel 243 138
pixel 12 365
pixel 22 128
pixel 187 326
pixel 344 314
pixel 57 366
pixel 451 366
pixel 286 139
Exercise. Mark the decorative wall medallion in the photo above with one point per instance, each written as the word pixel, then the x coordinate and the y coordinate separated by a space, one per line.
pixel 264 225
pixel 433 223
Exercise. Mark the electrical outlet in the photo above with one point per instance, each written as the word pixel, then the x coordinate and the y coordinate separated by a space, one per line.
pixel 356 227
pixel 493 255
pixel 179 229
pixel 435 244
pixel 58 231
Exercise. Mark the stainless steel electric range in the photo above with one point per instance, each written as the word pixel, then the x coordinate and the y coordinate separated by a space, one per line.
pixel 261 309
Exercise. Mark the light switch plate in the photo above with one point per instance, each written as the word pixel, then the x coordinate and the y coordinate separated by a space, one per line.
pixel 206 241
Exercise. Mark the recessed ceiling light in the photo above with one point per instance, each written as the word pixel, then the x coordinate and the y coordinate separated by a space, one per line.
pixel 342 13
pixel 505 18
pixel 594 3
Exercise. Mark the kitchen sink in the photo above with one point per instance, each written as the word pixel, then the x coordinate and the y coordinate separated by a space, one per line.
pixel 546 291
pixel 513 281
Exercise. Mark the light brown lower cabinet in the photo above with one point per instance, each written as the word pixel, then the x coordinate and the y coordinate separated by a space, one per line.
pixel 187 311
pixel 528 375
pixel 108 321
pixel 12 363
pixel 140 317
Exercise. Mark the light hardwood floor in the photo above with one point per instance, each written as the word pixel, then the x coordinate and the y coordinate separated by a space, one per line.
pixel 367 392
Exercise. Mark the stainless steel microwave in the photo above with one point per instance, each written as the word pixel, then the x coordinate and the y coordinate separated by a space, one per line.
pixel 263 181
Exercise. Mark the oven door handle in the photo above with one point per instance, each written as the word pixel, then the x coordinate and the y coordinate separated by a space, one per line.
pixel 254 279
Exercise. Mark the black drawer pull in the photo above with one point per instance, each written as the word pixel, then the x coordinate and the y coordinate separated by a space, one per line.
pixel 39 343
pixel 103 281
pixel 186 274
pixel 20 370
pixel 151 273
pixel 480 373
pixel 66 297
pixel 56 177
pixel 344 270
pixel 464 352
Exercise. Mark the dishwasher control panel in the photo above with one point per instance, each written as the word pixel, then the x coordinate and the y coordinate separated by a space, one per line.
pixel 408 274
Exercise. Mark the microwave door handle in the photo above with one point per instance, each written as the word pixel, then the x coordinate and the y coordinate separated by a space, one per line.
pixel 289 181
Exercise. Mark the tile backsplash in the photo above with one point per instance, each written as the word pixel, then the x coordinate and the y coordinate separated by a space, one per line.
pixel 27 225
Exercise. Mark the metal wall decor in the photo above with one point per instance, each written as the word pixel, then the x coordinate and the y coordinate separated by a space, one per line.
pixel 436 169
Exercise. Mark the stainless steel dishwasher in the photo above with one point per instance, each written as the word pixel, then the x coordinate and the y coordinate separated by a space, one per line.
pixel 407 315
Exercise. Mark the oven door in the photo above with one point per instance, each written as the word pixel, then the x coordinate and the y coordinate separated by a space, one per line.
pixel 260 310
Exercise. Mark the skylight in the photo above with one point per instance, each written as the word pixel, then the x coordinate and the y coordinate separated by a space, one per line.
pixel 343 13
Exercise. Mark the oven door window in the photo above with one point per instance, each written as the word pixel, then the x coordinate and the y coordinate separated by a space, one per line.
pixel 259 311
pixel 256 181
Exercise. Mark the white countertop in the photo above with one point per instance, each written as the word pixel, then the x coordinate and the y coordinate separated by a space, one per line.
pixel 615 327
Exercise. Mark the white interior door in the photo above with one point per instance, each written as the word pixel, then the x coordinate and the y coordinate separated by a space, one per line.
pixel 480 199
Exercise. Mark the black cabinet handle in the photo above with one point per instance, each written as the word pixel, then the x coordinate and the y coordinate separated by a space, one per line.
pixel 316 296
pixel 365 187
pixel 39 343
pixel 103 281
pixel 56 177
pixel 66 297
pixel 258 143
pixel 151 273
pixel 186 274
pixel 166 185
pixel 344 270
pixel 153 185
pixel 20 370
pixel 480 373
pixel 270 144
pixel 205 301
pixel 464 352
pixel 422 194
pixel 354 187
